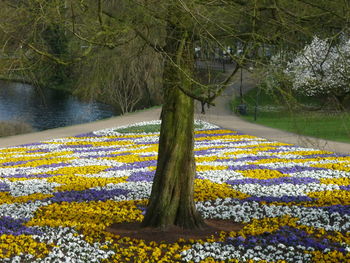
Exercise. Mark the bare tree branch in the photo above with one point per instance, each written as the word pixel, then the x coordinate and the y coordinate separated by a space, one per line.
pixel 156 47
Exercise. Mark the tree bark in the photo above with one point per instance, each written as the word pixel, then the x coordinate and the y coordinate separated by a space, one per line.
pixel 171 202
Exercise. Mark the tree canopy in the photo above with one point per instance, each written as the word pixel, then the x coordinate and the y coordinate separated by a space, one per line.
pixel 68 32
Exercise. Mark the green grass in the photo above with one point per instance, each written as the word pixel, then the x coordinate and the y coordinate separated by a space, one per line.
pixel 150 128
pixel 319 125
pixel 264 98
pixel 273 113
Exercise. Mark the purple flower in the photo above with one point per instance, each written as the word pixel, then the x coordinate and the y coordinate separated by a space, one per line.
pixel 240 238
pixel 117 139
pixel 345 187
pixel 231 144
pixel 283 199
pixel 274 181
pixel 142 176
pixel 4 187
pixel 245 167
pixel 288 236
pixel 10 226
pixel 143 209
pixel 31 144
pixel 297 168
pixel 31 176
pixel 255 158
pixel 14 163
pixel 75 146
pixel 341 209
pixel 323 155
pixel 106 155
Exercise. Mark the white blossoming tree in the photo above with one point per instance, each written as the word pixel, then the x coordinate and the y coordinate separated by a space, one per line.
pixel 322 68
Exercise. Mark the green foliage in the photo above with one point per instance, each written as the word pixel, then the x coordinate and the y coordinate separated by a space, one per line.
pixel 36 42
pixel 56 39
pixel 57 75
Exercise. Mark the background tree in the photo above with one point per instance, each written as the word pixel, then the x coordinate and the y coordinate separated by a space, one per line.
pixel 35 43
pixel 322 68
pixel 123 76
pixel 101 65
pixel 172 29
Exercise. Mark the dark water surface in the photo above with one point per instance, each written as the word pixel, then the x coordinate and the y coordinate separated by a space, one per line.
pixel 47 109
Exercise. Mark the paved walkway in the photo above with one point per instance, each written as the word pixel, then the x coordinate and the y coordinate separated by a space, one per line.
pixel 223 116
pixel 220 115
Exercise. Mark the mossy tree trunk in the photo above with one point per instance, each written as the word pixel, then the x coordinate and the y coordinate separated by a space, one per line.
pixel 172 202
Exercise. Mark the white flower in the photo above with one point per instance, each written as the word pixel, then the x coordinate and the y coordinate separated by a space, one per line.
pixel 321 68
pixel 28 187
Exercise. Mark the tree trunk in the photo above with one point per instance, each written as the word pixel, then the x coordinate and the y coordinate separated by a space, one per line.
pixel 171 202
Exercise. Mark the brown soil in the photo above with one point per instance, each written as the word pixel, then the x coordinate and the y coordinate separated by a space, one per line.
pixel 172 234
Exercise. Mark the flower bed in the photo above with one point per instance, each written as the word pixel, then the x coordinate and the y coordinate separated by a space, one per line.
pixel 57 197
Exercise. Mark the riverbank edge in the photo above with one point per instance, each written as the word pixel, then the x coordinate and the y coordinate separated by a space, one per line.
pixel 129 118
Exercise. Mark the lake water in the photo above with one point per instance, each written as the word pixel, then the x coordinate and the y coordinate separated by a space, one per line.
pixel 46 109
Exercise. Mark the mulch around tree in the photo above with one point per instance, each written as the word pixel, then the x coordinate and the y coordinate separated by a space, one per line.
pixel 174 233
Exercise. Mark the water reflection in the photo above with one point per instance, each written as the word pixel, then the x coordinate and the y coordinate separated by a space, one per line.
pixel 47 109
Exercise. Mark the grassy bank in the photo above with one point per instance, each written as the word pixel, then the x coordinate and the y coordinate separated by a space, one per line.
pixel 277 112
pixel 9 128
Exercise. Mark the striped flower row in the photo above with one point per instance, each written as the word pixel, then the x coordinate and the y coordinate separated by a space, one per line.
pixel 57 197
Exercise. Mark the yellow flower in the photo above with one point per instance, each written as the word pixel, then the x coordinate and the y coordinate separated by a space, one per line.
pixel 6 198
pixel 338 181
pixel 262 174
pixel 202 168
pixel 14 245
pixel 207 190
pixel 335 197
pixel 345 166
pixel 78 183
